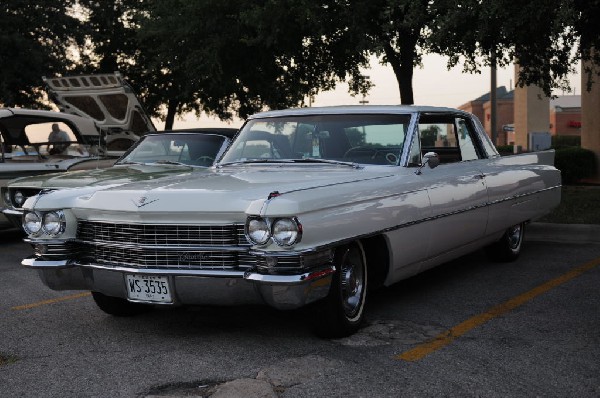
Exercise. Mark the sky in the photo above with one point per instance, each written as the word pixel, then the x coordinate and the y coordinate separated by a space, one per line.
pixel 433 84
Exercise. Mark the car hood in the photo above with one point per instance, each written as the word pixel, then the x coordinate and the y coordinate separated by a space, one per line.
pixel 113 176
pixel 243 190
pixel 106 98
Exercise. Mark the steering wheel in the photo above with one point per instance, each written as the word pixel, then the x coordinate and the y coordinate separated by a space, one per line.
pixel 204 159
pixel 364 150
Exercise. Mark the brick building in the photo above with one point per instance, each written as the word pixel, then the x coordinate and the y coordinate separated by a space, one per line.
pixel 481 107
pixel 565 114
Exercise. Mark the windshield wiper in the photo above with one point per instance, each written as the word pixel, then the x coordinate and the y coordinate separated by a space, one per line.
pixel 249 161
pixel 127 162
pixel 329 161
pixel 168 162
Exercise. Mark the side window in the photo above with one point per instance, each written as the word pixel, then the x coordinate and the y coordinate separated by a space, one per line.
pixel 438 134
pixel 449 136
pixel 39 132
pixel 468 150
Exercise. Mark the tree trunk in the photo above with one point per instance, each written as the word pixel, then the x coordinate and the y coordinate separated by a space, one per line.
pixel 171 112
pixel 402 63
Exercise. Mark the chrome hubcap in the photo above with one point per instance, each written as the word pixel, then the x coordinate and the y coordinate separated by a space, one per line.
pixel 514 236
pixel 352 274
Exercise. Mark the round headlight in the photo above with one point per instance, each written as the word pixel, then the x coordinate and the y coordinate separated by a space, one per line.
pixel 286 231
pixel 19 199
pixel 53 223
pixel 257 231
pixel 7 198
pixel 32 223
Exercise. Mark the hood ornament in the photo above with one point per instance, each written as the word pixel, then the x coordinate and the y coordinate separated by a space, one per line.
pixel 143 201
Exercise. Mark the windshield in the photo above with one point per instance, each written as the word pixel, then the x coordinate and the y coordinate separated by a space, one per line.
pixel 188 149
pixel 363 139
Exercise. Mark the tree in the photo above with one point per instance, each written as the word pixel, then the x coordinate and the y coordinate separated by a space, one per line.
pixel 228 57
pixel 538 35
pixel 395 30
pixel 110 28
pixel 38 39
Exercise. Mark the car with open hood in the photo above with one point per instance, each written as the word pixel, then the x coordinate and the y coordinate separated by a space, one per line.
pixel 100 117
pixel 311 206
pixel 156 155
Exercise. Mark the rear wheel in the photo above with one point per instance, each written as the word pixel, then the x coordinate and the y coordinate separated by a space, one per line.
pixel 342 311
pixel 508 247
pixel 118 306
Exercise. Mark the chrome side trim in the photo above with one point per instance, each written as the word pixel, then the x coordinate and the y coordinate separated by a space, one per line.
pixel 415 222
pixel 523 195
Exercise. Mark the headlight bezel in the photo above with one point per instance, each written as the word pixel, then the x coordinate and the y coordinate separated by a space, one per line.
pixel 59 221
pixel 51 223
pixel 293 227
pixel 270 232
pixel 250 228
pixel 26 224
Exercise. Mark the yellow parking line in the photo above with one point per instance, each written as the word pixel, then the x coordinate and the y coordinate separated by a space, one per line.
pixel 449 335
pixel 51 301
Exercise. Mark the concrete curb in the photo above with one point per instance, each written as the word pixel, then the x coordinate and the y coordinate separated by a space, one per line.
pixel 563 233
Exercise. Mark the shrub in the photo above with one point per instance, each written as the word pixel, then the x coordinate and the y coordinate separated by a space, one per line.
pixel 575 163
pixel 505 149
pixel 564 141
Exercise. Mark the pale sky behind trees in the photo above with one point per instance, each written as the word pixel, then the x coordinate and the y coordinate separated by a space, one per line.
pixel 433 85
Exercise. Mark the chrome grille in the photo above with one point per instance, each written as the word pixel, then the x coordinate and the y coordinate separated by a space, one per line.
pixel 160 234
pixel 160 246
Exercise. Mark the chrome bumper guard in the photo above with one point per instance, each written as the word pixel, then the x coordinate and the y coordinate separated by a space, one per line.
pixel 192 287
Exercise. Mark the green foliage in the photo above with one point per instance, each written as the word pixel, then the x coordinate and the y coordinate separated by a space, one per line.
pixel 430 135
pixel 578 205
pixel 37 40
pixel 110 28
pixel 539 35
pixel 562 141
pixel 356 137
pixel 575 163
pixel 227 57
pixel 505 149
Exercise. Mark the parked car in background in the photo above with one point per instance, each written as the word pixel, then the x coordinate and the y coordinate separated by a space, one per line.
pixel 312 206
pixel 108 100
pixel 100 118
pixel 156 155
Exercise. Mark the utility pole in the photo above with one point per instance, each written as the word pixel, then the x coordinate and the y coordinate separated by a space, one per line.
pixel 493 100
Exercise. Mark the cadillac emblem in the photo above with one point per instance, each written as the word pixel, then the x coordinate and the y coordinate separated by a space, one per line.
pixel 143 201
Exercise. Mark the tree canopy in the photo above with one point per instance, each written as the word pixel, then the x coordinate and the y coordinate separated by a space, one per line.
pixel 235 57
pixel 37 39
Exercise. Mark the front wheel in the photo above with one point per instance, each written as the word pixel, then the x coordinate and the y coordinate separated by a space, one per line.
pixel 341 313
pixel 118 306
pixel 508 247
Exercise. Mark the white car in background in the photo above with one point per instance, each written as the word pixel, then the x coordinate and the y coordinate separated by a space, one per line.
pixel 155 155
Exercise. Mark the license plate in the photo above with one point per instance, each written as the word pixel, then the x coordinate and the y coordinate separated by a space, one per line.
pixel 149 288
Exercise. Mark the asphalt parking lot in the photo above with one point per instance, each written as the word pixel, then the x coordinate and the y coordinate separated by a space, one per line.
pixel 466 328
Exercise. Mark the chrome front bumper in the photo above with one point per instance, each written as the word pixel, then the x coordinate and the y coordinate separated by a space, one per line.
pixel 192 287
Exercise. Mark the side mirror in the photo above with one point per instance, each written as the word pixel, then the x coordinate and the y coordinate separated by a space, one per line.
pixel 431 159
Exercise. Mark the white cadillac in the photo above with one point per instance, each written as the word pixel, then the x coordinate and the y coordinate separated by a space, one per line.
pixel 308 206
